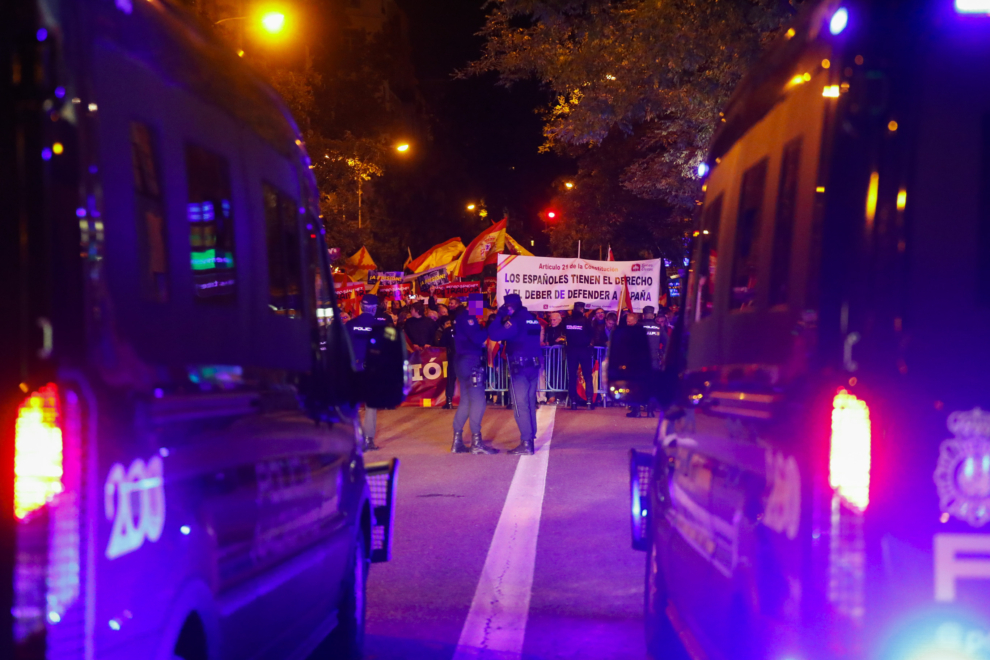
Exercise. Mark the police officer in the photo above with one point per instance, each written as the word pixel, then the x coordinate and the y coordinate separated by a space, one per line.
pixel 360 328
pixel 577 329
pixel 469 367
pixel 521 332
pixel 656 338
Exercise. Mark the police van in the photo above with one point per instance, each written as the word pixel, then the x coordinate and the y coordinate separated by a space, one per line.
pixel 820 483
pixel 182 475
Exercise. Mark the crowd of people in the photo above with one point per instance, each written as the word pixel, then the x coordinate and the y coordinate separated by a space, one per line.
pixel 465 333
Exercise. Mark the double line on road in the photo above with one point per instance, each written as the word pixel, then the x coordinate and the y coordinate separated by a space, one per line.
pixel 495 627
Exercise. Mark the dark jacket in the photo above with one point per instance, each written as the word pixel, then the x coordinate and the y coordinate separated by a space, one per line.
pixel 577 327
pixel 657 339
pixel 421 331
pixel 552 334
pixel 360 328
pixel 469 335
pixel 520 332
pixel 599 335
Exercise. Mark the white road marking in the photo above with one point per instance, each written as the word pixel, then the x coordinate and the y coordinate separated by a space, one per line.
pixel 495 627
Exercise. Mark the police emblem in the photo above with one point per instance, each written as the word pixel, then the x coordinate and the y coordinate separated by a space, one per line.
pixel 962 475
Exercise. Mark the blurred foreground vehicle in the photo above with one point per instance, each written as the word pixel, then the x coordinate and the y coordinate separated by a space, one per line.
pixel 820 485
pixel 181 475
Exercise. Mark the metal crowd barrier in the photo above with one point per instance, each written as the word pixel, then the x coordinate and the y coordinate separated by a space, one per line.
pixel 553 377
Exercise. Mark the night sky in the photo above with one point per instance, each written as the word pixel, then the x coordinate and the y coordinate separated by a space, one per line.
pixel 495 131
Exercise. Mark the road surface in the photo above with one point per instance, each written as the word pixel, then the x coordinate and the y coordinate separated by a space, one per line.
pixel 488 566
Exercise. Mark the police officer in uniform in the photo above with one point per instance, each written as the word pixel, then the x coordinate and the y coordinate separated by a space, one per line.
pixel 469 367
pixel 656 338
pixel 521 332
pixel 577 329
pixel 360 328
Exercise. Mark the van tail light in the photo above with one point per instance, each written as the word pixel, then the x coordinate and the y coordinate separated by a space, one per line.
pixel 38 452
pixel 849 478
pixel 47 480
pixel 849 456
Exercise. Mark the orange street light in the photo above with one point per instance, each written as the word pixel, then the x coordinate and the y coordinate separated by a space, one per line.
pixel 402 148
pixel 273 21
pixel 470 207
pixel 569 184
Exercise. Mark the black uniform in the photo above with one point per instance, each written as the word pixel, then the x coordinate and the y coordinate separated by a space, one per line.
pixel 521 333
pixel 360 328
pixel 655 337
pixel 577 328
pixel 469 338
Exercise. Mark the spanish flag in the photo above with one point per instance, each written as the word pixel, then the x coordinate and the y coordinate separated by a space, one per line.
pixel 358 265
pixel 512 246
pixel 436 256
pixel 483 250
pixel 625 301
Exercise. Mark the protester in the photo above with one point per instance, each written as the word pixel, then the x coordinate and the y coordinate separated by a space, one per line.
pixel 553 335
pixel 360 329
pixel 611 320
pixel 577 329
pixel 469 367
pixel 521 331
pixel 598 335
pixel 420 330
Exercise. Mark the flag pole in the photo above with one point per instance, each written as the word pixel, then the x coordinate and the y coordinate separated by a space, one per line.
pixel 579 249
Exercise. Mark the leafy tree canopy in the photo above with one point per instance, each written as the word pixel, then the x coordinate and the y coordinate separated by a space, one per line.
pixel 658 71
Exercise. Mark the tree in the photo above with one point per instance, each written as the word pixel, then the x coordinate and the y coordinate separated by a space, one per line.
pixel 656 71
pixel 602 213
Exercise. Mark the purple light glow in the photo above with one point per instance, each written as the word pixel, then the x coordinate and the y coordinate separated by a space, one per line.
pixel 42 34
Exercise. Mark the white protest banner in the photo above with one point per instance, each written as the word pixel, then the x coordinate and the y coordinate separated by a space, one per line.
pixel 548 284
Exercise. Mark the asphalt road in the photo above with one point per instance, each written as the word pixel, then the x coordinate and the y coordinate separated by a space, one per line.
pixel 586 594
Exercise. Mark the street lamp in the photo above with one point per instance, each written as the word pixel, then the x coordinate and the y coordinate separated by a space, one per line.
pixel 568 184
pixel 273 21
pixel 470 207
pixel 402 148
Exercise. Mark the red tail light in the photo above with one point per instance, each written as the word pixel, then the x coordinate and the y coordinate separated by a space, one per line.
pixel 849 458
pixel 38 452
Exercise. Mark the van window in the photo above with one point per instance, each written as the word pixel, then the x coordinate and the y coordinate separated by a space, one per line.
pixel 783 228
pixel 745 261
pixel 150 214
pixel 708 258
pixel 284 262
pixel 983 285
pixel 211 225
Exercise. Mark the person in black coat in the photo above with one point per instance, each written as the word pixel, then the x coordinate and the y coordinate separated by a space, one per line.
pixel 577 328
pixel 469 366
pixel 360 328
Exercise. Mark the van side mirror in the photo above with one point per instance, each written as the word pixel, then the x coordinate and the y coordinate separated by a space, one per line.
pixel 387 378
pixel 630 374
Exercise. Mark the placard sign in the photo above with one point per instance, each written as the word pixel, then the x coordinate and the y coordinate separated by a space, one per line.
pixel 552 284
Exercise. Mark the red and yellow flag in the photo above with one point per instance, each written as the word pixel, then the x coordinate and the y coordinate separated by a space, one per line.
pixel 512 246
pixel 358 264
pixel 483 250
pixel 437 256
pixel 625 301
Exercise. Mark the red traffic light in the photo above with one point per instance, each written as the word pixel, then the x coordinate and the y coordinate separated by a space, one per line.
pixel 551 214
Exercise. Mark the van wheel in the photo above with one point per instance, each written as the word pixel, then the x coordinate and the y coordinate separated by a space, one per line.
pixel 662 642
pixel 346 642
